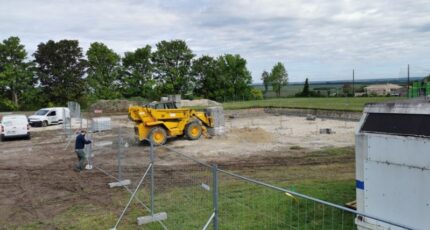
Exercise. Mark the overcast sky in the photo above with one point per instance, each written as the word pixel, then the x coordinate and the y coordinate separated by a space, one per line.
pixel 321 40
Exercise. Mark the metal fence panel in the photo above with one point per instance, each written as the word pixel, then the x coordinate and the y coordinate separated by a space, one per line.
pixel 197 195
pixel 183 189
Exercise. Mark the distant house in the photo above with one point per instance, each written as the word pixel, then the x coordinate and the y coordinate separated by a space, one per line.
pixel 383 89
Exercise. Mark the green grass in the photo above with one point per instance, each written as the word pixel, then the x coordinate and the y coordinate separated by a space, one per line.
pixel 329 103
pixel 260 208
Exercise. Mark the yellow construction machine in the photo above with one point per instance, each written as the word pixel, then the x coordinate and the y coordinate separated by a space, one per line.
pixel 157 121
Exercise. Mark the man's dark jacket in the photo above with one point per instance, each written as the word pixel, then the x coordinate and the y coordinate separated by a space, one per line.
pixel 80 142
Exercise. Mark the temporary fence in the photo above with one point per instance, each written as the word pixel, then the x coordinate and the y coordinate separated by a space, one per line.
pixel 175 190
pixel 183 188
pixel 178 191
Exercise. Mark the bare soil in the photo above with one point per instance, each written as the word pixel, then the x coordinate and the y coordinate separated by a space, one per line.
pixel 37 181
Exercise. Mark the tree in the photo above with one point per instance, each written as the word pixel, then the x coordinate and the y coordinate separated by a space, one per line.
pixel 137 80
pixel 306 92
pixel 172 67
pixel 235 78
pixel 103 71
pixel 60 70
pixel 205 73
pixel 265 77
pixel 278 78
pixel 16 76
pixel 224 78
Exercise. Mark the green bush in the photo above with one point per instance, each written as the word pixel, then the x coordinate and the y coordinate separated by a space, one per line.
pixel 256 94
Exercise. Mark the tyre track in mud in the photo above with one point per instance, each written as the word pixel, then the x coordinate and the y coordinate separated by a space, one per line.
pixel 27 186
pixel 29 194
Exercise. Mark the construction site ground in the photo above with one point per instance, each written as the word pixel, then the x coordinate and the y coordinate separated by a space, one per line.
pixel 38 184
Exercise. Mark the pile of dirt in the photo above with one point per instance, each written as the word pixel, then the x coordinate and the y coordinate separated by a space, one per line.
pixel 252 135
pixel 200 102
pixel 112 106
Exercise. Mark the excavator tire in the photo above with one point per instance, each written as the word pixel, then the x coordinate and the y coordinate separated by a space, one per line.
pixel 157 136
pixel 193 130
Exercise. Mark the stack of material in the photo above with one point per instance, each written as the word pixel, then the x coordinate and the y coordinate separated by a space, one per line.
pixel 310 117
pixel 100 124
pixel 326 131
pixel 174 98
pixel 200 102
pixel 217 113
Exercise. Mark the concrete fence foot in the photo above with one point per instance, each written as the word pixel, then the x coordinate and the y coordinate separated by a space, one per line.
pixel 149 219
pixel 119 183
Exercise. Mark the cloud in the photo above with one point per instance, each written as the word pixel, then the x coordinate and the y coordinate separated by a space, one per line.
pixel 320 39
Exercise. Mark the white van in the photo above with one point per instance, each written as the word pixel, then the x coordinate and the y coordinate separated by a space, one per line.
pixel 12 126
pixel 48 116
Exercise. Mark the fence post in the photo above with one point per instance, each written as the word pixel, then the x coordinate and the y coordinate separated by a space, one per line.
pixel 64 123
pixel 89 151
pixel 151 155
pixel 215 195
pixel 118 156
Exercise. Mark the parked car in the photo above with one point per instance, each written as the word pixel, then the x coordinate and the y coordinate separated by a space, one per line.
pixel 48 116
pixel 14 126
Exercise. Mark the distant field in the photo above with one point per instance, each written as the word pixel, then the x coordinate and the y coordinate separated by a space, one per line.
pixel 330 103
pixel 292 89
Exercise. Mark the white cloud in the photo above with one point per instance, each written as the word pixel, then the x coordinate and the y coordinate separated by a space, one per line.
pixel 318 39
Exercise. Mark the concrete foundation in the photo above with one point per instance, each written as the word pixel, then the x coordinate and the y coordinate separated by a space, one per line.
pixel 320 113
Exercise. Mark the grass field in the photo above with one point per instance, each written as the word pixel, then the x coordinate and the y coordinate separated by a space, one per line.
pixel 242 205
pixel 329 103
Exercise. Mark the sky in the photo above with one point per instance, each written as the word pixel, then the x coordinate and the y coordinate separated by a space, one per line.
pixel 321 40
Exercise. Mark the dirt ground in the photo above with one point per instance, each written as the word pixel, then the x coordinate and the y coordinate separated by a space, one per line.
pixel 37 181
pixel 253 135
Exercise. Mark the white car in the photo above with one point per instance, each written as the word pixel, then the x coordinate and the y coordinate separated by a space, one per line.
pixel 49 116
pixel 13 126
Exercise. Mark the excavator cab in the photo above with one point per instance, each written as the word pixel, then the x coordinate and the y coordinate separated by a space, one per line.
pixel 162 105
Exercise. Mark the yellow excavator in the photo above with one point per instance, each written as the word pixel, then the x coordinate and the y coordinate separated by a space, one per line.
pixel 157 121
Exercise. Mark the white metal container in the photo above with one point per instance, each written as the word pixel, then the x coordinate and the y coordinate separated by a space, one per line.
pixel 393 165
pixel 100 124
pixel 217 114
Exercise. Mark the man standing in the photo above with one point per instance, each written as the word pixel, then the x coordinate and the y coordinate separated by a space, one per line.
pixel 79 149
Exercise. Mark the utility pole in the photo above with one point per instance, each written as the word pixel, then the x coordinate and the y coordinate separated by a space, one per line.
pixel 407 87
pixel 353 81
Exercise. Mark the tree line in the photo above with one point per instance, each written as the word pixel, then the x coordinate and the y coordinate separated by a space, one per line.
pixel 59 71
